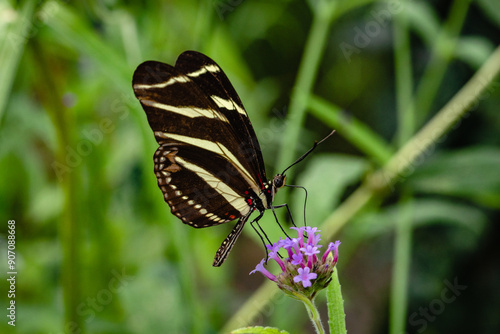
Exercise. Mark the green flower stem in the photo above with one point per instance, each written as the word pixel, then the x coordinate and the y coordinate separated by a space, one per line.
pixel 382 179
pixel 335 302
pixel 312 311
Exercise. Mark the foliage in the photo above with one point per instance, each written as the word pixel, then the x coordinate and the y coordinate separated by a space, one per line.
pixel 409 182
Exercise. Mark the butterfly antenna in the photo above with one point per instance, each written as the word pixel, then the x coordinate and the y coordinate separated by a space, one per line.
pixel 316 143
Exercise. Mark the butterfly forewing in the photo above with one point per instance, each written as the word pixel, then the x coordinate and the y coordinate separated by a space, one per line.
pixel 178 107
pixel 215 84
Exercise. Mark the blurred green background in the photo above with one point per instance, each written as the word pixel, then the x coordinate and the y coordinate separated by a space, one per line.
pixel 97 250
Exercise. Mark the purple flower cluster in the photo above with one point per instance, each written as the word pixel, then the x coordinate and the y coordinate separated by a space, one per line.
pixel 303 271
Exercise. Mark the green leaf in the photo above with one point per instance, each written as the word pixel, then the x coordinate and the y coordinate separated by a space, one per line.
pixel 258 330
pixel 335 303
pixel 470 173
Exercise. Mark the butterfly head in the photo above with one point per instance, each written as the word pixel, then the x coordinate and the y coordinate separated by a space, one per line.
pixel 271 187
pixel 279 181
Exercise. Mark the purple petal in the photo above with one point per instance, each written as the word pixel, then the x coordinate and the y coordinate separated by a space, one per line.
pixel 313 239
pixel 264 271
pixel 332 246
pixel 274 247
pixel 300 232
pixel 297 259
pixel 275 257
pixel 304 276
pixel 309 250
pixel 296 245
pixel 336 256
pixel 288 244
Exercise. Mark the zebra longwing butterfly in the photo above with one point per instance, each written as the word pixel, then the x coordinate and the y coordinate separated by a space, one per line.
pixel 208 165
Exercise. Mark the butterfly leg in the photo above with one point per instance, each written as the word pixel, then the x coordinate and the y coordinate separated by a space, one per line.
pixel 276 217
pixel 256 221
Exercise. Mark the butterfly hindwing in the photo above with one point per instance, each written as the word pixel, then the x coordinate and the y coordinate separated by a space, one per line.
pixel 196 196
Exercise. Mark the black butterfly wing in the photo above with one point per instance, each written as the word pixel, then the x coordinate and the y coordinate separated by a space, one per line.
pixel 217 86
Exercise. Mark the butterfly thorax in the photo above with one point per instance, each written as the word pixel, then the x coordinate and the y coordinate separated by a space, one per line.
pixel 269 189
